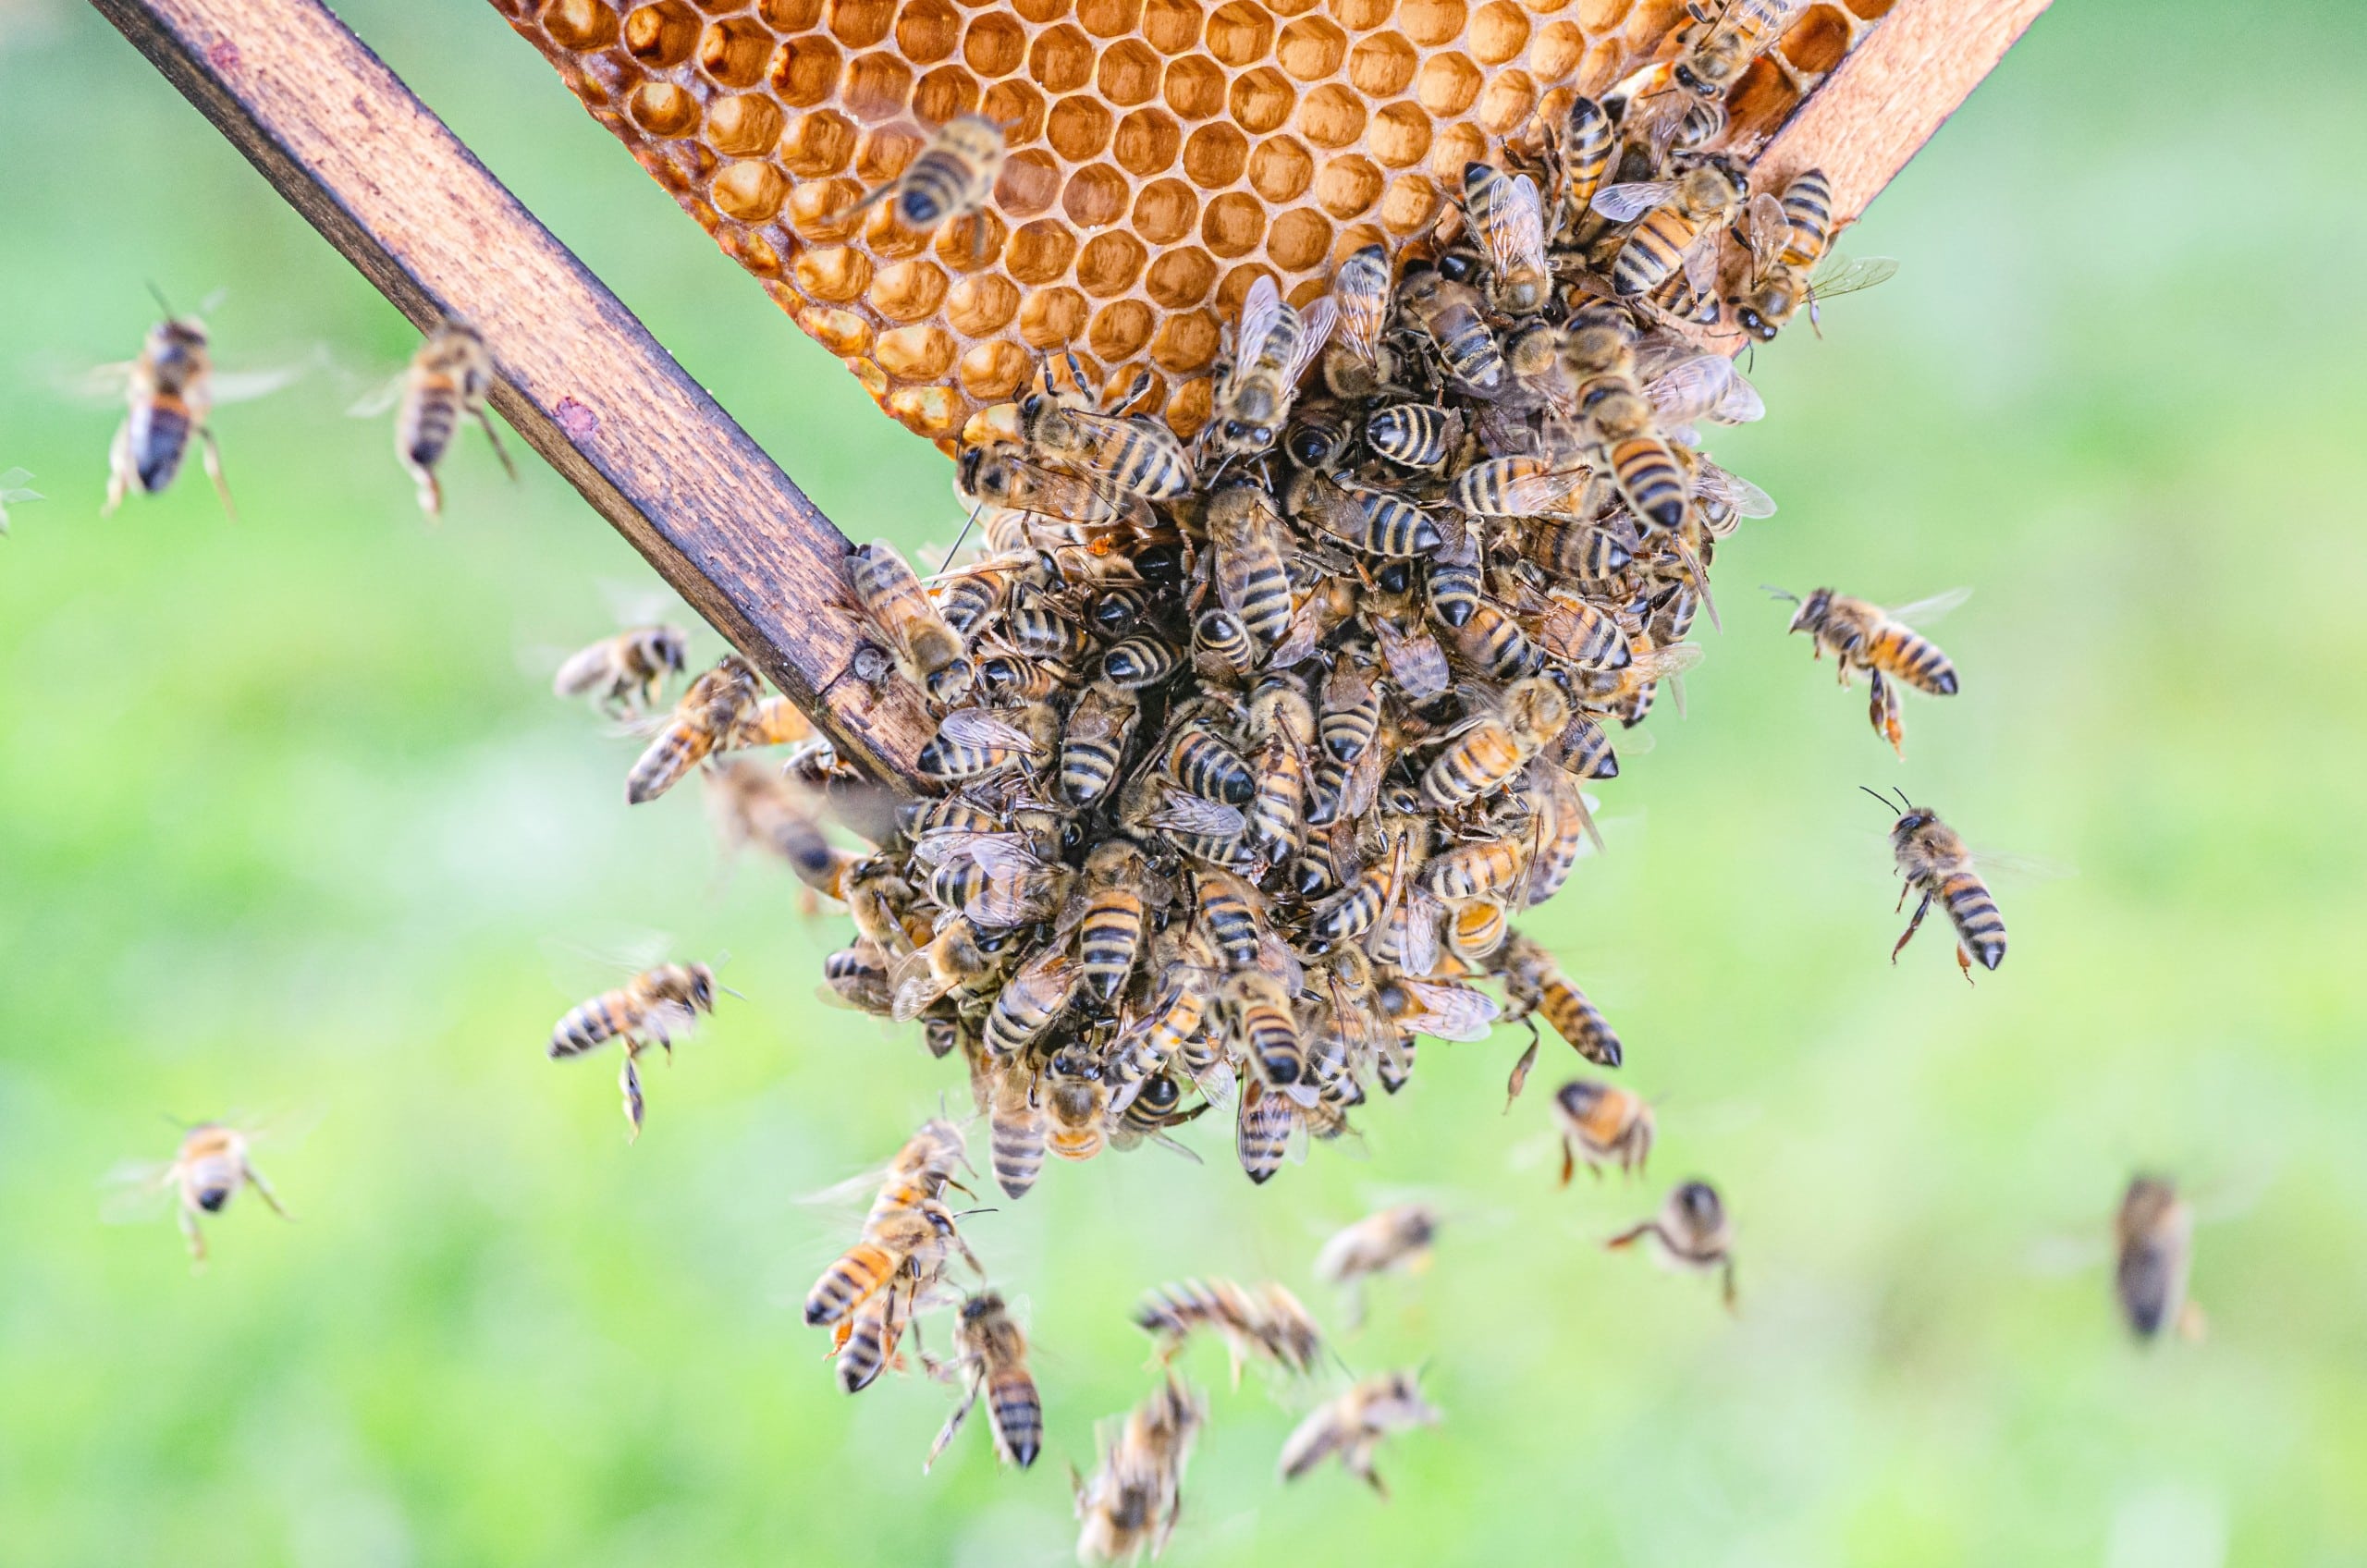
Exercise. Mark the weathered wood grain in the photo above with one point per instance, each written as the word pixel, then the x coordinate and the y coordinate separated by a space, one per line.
pixel 343 141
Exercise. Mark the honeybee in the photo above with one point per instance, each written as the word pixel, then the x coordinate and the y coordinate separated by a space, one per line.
pixel 1601 1124
pixel 1508 214
pixel 1933 860
pixel 1138 455
pixel 865 1340
pixel 1093 744
pixel 1677 223
pixel 1449 314
pixel 1245 538
pixel 1129 1505
pixel 1265 1324
pixel 1790 267
pixel 1173 1018
pixel 1032 998
pixel 1487 749
pixel 2154 1245
pixel 451 375
pixel 1691 1232
pixel 998 475
pixel 1445 1009
pixel 1272 349
pixel 1264 1126
pixel 1623 425
pixel 1154 1107
pixel 751 805
pixel 1580 150
pixel 1374 521
pixel 1360 290
pixel 1417 435
pixel 1353 1426
pixel 13 490
pixel 990 1358
pixel 212 1162
pixel 1882 642
pixel 656 1007
pixel 1523 485
pixel 1391 1241
pixel 950 961
pixel 927 650
pixel 169 390
pixel 1564 830
pixel 951 178
pixel 1585 552
pixel 623 674
pixel 902 1240
pixel 857 977
pixel 1724 41
pixel 701 720
pixel 1536 984
pixel 972 742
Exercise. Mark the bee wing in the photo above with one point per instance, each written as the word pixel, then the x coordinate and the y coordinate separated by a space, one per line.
pixel 1766 229
pixel 1741 405
pixel 1701 264
pixel 245 386
pixel 1690 389
pixel 1002 903
pixel 1260 312
pixel 381 398
pixel 1925 612
pixel 1186 813
pixel 1451 1011
pixel 1418 952
pixel 92 384
pixel 1838 275
pixel 1274 956
pixel 636 605
pixel 135 1191
pixel 1315 330
pixel 1515 235
pixel 1627 202
pixel 1712 483
pixel 2024 868
pixel 983 727
pixel 586 969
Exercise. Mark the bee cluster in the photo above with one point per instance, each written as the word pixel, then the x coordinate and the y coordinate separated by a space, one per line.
pixel 1252 750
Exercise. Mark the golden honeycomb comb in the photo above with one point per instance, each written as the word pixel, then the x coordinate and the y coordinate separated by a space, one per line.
pixel 1163 152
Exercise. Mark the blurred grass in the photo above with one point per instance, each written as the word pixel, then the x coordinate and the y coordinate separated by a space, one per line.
pixel 284 823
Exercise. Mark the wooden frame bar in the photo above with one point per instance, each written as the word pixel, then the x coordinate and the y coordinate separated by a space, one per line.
pixel 341 138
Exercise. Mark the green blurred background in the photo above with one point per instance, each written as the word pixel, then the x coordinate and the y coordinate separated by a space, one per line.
pixel 289 822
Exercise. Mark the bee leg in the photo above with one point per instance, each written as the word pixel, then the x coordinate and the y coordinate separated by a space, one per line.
pixel 1569 1162
pixel 1358 1459
pixel 120 472
pixel 1726 1284
pixel 871 198
pixel 630 1082
pixel 1629 1238
pixel 486 421
pixel 1909 935
pixel 214 469
pixel 262 1190
pixel 429 488
pixel 193 1235
pixel 953 1422
pixel 1963 961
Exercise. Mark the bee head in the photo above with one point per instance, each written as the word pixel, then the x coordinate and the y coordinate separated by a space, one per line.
pixel 949 685
pixel 1578 1097
pixel 1241 436
pixel 1698 1201
pixel 673 648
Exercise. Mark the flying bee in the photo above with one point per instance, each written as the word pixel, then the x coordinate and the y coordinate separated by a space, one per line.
pixel 450 376
pixel 1882 642
pixel 1723 40
pixel 865 1340
pixel 1140 456
pixel 1487 749
pixel 1351 1427
pixel 1789 241
pixel 1417 435
pixel 970 742
pixel 1677 223
pixel 1445 1009
pixel 624 673
pixel 212 1164
pixel 1601 1124
pixel 1448 312
pixel 990 1358
pixel 1692 1233
pixel 656 1007
pixel 1508 214
pixel 901 1240
pixel 1272 349
pixel 951 178
pixel 1093 744
pixel 929 651
pixel 1536 984
pixel 1932 860
pixel 1264 1324
pixel 169 390
pixel 1251 580
pixel 752 804
pixel 1391 1241
pixel 1033 999
pixel 1374 521
pixel 13 490
pixel 2154 1245
pixel 1129 1504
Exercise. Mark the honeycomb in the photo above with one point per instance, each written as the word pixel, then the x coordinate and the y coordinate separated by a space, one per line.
pixel 1164 154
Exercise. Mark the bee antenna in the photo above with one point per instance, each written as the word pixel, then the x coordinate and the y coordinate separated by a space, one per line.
pixel 1778 592
pixel 1878 795
pixel 956 549
pixel 1903 800
pixel 158 294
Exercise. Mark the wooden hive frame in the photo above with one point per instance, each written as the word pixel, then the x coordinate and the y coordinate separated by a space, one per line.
pixel 342 140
